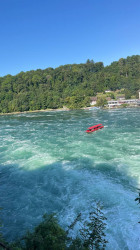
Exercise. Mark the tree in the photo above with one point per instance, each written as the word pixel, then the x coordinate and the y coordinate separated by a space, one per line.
pixel 112 96
pixel 92 232
pixel 92 235
pixel 127 94
pixel 47 235
pixel 39 89
pixel 89 61
pixel 101 101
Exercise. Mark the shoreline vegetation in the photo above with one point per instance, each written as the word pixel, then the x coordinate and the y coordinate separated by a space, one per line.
pixel 34 111
pixel 66 109
pixel 50 235
pixel 72 86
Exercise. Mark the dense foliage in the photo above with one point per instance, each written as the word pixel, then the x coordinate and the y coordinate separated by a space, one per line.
pixel 49 235
pixel 68 85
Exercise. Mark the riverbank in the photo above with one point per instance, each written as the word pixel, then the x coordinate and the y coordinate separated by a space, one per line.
pixel 66 109
pixel 35 111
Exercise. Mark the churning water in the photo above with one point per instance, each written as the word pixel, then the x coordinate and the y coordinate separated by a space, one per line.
pixel 49 164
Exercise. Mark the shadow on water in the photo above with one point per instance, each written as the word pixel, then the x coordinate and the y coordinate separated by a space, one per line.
pixel 62 187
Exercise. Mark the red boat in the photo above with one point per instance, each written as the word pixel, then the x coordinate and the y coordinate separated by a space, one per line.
pixel 94 128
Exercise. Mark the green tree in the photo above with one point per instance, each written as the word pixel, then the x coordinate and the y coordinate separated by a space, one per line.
pixel 101 101
pixel 47 235
pixel 127 94
pixel 92 231
pixel 49 88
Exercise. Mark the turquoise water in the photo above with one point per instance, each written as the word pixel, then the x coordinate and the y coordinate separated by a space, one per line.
pixel 49 164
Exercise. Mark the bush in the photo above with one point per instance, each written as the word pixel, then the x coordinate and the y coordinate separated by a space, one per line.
pixel 49 235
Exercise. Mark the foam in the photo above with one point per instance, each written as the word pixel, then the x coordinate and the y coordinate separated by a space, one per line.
pixel 49 164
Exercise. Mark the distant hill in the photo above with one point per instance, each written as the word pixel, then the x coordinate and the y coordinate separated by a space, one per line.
pixel 70 85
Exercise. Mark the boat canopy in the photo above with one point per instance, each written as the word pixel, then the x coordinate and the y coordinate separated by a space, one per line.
pixel 95 126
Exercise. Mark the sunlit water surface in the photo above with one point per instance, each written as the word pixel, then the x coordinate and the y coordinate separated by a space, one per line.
pixel 49 164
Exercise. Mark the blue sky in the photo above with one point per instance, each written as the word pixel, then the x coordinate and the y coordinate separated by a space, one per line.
pixel 48 33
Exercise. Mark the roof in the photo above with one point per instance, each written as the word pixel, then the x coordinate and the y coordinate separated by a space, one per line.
pixel 93 98
pixel 108 98
pixel 95 126
pixel 120 96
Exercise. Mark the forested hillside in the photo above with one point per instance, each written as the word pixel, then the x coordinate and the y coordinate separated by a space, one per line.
pixel 69 85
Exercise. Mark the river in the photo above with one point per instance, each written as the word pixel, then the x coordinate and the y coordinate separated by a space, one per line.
pixel 49 164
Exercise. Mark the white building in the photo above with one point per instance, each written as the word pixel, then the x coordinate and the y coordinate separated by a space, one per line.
pixel 107 91
pixel 129 101
pixel 113 103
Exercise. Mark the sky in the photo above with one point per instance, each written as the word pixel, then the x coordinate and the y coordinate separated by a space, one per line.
pixel 37 34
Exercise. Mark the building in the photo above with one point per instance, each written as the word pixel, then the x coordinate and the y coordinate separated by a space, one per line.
pixel 138 102
pixel 120 97
pixel 107 91
pixel 93 100
pixel 129 101
pixel 113 103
